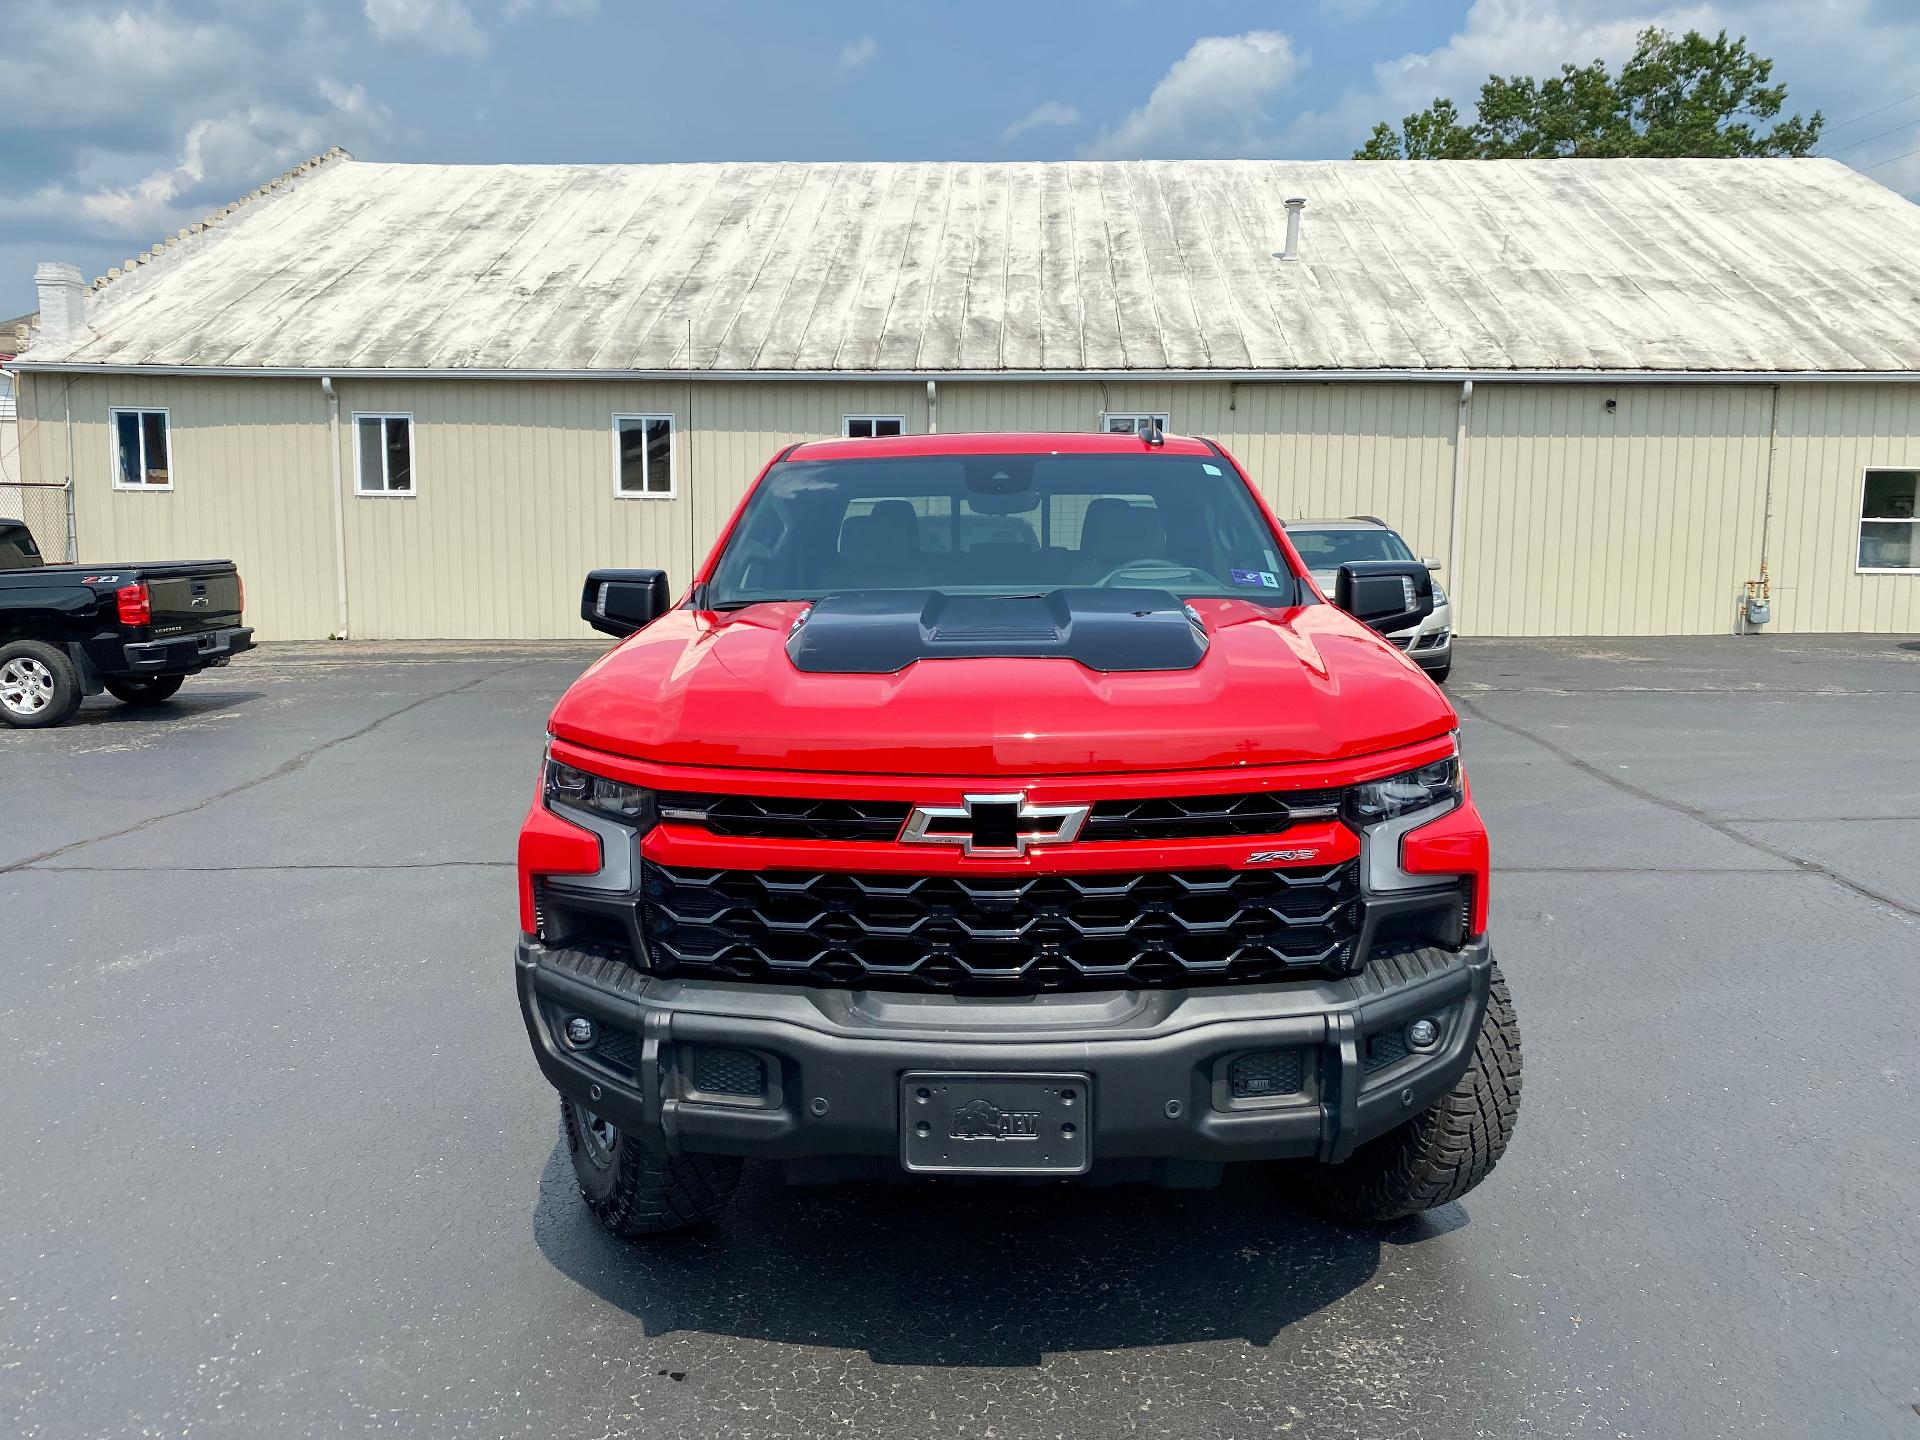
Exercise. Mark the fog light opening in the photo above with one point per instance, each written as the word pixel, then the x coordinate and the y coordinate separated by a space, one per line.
pixel 581 1032
pixel 1423 1034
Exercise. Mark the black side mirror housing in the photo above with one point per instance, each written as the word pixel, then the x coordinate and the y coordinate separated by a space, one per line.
pixel 619 602
pixel 1385 595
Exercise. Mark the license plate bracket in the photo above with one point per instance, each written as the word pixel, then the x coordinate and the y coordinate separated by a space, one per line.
pixel 994 1123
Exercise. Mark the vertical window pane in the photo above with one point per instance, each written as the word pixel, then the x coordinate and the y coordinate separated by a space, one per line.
pixel 659 457
pixel 859 429
pixel 372 476
pixel 1889 544
pixel 633 458
pixel 887 427
pixel 1890 495
pixel 155 425
pixel 399 454
pixel 128 426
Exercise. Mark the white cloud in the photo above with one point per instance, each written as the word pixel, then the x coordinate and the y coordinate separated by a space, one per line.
pixel 566 9
pixel 1051 113
pixel 856 55
pixel 1212 102
pixel 445 26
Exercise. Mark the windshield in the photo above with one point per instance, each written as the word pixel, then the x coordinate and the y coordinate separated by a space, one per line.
pixel 1002 524
pixel 1330 549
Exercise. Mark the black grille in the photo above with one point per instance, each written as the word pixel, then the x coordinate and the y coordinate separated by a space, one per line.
pixel 1197 816
pixel 1270 1072
pixel 1385 1048
pixel 615 1048
pixel 1024 932
pixel 728 1072
pixel 788 818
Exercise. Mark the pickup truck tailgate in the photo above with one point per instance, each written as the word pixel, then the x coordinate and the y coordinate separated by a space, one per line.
pixel 193 598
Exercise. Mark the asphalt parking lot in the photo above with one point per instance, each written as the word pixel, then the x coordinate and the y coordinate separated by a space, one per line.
pixel 277 1161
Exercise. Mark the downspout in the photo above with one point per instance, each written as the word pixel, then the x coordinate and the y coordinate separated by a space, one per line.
pixel 1762 589
pixel 339 512
pixel 73 492
pixel 933 407
pixel 1457 539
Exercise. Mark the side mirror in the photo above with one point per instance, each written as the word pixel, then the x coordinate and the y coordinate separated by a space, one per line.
pixel 1430 562
pixel 1386 595
pixel 619 602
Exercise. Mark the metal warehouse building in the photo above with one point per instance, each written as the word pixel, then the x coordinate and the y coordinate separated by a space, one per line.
pixel 422 400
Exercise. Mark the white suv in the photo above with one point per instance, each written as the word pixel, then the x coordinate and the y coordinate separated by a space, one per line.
pixel 1326 545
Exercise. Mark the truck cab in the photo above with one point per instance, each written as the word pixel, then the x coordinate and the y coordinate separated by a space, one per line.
pixel 1016 806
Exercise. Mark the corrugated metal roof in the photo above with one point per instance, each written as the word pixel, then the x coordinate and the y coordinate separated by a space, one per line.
pixel 1490 266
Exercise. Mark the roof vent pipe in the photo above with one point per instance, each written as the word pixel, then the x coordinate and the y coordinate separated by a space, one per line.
pixel 63 301
pixel 1292 252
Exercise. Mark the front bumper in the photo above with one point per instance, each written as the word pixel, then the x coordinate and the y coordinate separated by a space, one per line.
pixel 1158 1061
pixel 184 654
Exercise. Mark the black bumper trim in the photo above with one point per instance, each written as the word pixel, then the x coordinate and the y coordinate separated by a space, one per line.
pixel 1153 1055
pixel 184 654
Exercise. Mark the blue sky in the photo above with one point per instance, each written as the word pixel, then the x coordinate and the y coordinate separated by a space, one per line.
pixel 122 120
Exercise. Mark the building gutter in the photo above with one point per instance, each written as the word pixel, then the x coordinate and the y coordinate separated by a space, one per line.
pixel 1244 377
pixel 339 511
pixel 1456 535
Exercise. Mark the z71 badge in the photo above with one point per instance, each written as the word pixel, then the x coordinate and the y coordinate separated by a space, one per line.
pixel 1268 857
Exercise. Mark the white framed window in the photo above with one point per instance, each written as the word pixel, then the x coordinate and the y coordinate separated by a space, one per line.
pixel 644 460
pixel 1890 522
pixel 1130 424
pixel 866 427
pixel 383 454
pixel 142 449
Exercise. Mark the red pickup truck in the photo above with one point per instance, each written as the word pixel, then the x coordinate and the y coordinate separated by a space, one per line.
pixel 1011 805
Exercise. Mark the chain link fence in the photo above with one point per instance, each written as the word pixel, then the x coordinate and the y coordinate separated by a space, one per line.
pixel 48 511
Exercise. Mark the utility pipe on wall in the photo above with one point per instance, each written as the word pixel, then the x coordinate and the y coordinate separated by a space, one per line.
pixel 933 407
pixel 1456 539
pixel 339 512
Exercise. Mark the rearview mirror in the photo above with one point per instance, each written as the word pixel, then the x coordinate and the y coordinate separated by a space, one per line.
pixel 1430 562
pixel 1386 595
pixel 619 602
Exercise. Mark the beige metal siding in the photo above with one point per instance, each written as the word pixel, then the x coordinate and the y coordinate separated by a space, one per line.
pixel 249 483
pixel 1829 436
pixel 1640 521
pixel 1645 520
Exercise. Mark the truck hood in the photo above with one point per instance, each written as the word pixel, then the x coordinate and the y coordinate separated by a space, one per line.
pixel 1274 686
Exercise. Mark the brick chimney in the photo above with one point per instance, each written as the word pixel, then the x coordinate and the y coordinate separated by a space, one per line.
pixel 63 301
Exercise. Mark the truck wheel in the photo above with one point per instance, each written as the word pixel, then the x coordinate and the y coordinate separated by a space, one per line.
pixel 38 686
pixel 1440 1155
pixel 1440 672
pixel 143 689
pixel 635 1191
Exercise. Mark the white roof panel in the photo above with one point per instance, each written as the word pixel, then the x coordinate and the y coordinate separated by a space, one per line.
pixel 1481 266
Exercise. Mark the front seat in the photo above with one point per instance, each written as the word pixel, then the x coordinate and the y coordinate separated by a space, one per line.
pixel 880 550
pixel 1115 532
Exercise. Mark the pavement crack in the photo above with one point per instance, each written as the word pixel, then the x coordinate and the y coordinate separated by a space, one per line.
pixel 280 771
pixel 1692 812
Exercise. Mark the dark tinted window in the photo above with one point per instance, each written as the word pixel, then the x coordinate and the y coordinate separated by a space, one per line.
pixel 1330 549
pixel 997 524
pixel 17 550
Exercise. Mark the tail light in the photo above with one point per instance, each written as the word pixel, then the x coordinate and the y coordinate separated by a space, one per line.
pixel 135 604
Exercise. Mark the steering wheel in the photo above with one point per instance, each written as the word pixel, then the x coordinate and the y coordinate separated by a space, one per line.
pixel 1150 572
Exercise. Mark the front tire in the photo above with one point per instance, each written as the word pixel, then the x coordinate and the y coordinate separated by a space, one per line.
pixel 143 689
pixel 1438 674
pixel 1439 1155
pixel 636 1191
pixel 39 688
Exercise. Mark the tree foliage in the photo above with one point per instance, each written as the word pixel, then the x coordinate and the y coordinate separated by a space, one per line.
pixel 1677 95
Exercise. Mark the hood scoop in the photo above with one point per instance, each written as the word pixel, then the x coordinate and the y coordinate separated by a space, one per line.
pixel 877 632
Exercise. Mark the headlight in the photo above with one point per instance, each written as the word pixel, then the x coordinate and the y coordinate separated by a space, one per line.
pixel 1439 595
pixel 1434 787
pixel 575 789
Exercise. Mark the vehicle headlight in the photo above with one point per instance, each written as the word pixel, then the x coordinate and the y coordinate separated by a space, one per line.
pixel 1434 787
pixel 567 786
pixel 1439 595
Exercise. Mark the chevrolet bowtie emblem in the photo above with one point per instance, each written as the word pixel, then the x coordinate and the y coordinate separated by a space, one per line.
pixel 994 824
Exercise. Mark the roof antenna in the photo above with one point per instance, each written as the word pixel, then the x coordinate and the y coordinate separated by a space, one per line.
pixel 1150 433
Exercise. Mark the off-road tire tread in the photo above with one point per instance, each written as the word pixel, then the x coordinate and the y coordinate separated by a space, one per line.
pixel 1439 1156
pixel 654 1193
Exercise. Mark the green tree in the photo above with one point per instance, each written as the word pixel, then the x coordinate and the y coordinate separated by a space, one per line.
pixel 1677 95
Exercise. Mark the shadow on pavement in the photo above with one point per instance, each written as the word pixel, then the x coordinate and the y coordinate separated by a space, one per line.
pixel 105 710
pixel 976 1275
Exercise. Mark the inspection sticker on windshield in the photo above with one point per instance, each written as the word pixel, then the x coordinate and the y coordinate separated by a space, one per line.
pixel 1256 577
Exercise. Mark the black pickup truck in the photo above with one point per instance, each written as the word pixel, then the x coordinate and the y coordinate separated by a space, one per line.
pixel 134 630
